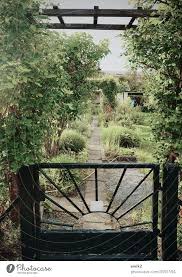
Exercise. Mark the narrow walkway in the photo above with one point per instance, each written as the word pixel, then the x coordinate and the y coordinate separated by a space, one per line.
pixel 98 220
pixel 107 182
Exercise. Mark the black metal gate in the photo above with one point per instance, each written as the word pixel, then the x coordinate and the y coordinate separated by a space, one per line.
pixel 130 242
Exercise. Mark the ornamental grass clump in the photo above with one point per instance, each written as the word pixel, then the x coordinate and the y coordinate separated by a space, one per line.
pixel 72 141
pixel 120 137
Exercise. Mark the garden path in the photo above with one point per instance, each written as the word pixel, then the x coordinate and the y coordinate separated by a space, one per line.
pixel 97 220
pixel 107 181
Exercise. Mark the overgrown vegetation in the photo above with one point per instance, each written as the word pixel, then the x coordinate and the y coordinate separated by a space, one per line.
pixel 120 137
pixel 48 81
pixel 156 46
pixel 44 84
pixel 128 136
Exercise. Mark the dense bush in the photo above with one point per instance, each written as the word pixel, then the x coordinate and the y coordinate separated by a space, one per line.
pixel 156 46
pixel 73 141
pixel 120 136
pixel 127 115
pixel 43 76
pixel 110 88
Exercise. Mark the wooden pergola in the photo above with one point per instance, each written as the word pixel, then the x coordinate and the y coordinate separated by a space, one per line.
pixel 95 13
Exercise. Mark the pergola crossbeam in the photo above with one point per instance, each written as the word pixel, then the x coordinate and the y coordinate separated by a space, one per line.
pixel 59 17
pixel 130 24
pixel 86 26
pixel 96 13
pixel 100 12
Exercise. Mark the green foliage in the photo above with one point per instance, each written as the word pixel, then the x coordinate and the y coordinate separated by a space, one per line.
pixel 110 88
pixel 83 127
pixel 128 119
pixel 128 115
pixel 83 123
pixel 73 141
pixel 82 61
pixel 156 45
pixel 133 81
pixel 120 136
pixel 43 76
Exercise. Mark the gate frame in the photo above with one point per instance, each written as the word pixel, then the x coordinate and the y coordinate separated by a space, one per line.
pixel 169 218
pixel 30 197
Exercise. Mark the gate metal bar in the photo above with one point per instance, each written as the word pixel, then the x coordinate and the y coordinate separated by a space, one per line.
pixel 139 184
pixel 116 189
pixel 60 191
pixel 31 195
pixel 77 188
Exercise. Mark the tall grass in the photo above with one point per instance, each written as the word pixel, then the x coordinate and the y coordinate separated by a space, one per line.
pixel 120 137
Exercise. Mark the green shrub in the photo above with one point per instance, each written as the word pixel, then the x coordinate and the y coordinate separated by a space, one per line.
pixel 127 115
pixel 82 127
pixel 72 141
pixel 120 136
pixel 145 155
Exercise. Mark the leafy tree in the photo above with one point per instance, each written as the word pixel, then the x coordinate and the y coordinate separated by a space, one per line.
pixel 43 82
pixel 82 58
pixel 156 45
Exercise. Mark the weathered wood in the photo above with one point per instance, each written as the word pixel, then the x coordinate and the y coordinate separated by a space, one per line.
pixel 96 8
pixel 130 24
pixel 170 212
pixel 27 216
pixel 155 201
pixel 96 242
pixel 59 17
pixel 101 12
pixel 86 26
pixel 37 197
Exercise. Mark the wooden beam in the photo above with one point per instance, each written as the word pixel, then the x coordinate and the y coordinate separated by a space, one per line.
pixel 133 18
pixel 86 26
pixel 100 12
pixel 131 22
pixel 59 17
pixel 96 8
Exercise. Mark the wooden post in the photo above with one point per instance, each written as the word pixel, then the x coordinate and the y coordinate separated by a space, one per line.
pixel 170 211
pixel 155 200
pixel 96 8
pixel 27 212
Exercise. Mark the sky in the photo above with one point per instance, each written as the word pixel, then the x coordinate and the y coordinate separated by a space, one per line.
pixel 114 62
